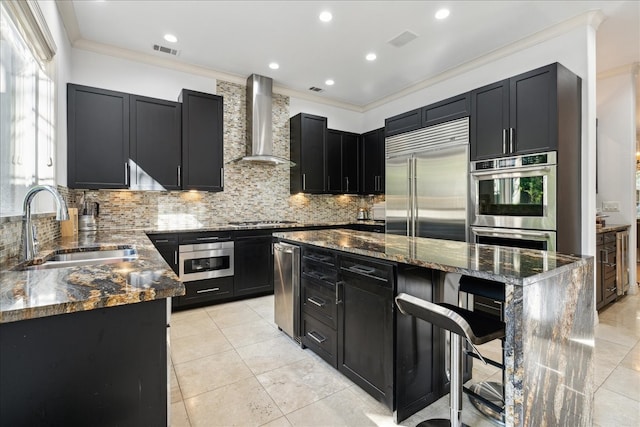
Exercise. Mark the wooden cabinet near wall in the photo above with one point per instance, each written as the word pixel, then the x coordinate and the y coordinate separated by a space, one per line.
pixel 202 141
pixel 523 114
pixel 308 139
pixel 372 160
pixel 606 253
pixel 156 142
pixel 98 138
pixel 342 162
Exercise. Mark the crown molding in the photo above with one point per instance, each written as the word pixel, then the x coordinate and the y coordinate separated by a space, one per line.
pixel 592 18
pixel 69 20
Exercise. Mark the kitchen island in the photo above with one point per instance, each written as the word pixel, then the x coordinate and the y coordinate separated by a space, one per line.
pixel 86 344
pixel 549 315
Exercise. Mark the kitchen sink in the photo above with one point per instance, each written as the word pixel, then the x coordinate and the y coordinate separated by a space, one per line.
pixel 62 259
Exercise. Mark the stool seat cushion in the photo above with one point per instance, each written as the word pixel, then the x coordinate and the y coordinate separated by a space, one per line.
pixel 484 328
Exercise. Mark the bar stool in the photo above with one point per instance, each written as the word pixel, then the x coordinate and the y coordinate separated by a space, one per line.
pixel 487 396
pixel 475 328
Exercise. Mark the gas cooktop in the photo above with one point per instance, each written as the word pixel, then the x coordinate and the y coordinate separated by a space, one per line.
pixel 258 223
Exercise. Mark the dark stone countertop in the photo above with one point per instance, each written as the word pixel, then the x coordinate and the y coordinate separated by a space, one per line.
pixel 519 267
pixel 40 293
pixel 612 227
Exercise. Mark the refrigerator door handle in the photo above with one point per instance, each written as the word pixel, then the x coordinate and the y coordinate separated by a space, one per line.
pixel 409 198
pixel 414 196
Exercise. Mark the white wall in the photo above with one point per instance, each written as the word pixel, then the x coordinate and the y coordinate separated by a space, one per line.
pixel 109 72
pixel 616 111
pixel 337 118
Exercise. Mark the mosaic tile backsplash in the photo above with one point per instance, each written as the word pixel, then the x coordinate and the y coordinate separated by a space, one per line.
pixel 252 191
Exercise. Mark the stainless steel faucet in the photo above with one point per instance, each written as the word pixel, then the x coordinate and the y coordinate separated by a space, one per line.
pixel 30 241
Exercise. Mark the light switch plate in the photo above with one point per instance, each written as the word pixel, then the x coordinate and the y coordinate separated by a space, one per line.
pixel 610 206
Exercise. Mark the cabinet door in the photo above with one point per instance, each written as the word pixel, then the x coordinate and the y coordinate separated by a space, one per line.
pixel 308 138
pixel 405 122
pixel 334 161
pixel 202 142
pixel 98 138
pixel 489 121
pixel 372 147
pixel 156 143
pixel 447 110
pixel 253 269
pixel 533 111
pixel 350 164
pixel 599 290
pixel 365 342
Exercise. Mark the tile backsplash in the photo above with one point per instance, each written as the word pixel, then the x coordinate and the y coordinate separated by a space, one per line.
pixel 251 192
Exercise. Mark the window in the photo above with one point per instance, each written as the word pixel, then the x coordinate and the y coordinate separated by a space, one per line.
pixel 27 101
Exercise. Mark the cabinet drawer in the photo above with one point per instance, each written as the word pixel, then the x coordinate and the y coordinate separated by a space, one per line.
pixel 320 338
pixel 205 237
pixel 381 273
pixel 164 239
pixel 319 274
pixel 599 239
pixel 318 256
pixel 609 238
pixel 207 290
pixel 320 302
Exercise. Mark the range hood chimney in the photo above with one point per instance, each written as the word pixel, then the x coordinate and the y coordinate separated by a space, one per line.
pixel 259 122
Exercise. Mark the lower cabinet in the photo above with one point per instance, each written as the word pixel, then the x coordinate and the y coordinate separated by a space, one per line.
pixel 253 269
pixel 606 289
pixel 365 325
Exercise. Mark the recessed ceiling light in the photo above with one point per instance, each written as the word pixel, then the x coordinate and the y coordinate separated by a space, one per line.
pixel 329 82
pixel 442 13
pixel 371 56
pixel 274 65
pixel 326 16
pixel 170 38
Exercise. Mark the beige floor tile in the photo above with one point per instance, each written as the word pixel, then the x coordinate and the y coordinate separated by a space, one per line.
pixel 193 313
pixel 192 326
pixel 196 346
pixel 243 403
pixel 615 410
pixel 179 416
pixel 617 335
pixel 624 381
pixel 271 354
pixel 608 355
pixel 211 372
pixel 301 383
pixel 279 422
pixel 343 408
pixel 250 333
pixel 176 394
pixel 232 315
pixel 632 360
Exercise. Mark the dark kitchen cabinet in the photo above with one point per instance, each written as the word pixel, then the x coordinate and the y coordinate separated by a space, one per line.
pixel 253 263
pixel 342 162
pixel 202 141
pixel 527 113
pixel 373 167
pixel 365 342
pixel 167 245
pixel 405 122
pixel 606 290
pixel 308 136
pixel 98 138
pixel 156 143
pixel 446 110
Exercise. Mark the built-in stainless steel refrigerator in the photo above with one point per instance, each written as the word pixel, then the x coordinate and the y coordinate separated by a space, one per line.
pixel 427 179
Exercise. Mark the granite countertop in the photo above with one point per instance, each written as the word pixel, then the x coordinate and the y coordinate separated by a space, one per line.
pixel 612 227
pixel 40 293
pixel 195 226
pixel 504 264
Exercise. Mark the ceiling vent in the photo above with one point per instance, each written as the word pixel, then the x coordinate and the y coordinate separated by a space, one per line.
pixel 403 38
pixel 315 89
pixel 165 49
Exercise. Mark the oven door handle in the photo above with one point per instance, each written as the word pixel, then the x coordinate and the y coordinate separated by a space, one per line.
pixel 500 232
pixel 509 171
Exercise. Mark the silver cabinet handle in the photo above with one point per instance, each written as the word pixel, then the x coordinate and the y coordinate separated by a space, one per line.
pixel 313 334
pixel 504 141
pixel 315 301
pixel 221 177
pixel 512 136
pixel 347 178
pixel 304 181
pixel 179 176
pixel 126 173
pixel 162 241
pixel 338 300
pixel 203 291
pixel 207 238
pixel 175 257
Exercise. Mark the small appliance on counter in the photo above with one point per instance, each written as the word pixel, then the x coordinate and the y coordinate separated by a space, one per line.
pixel 363 214
pixel 378 212
pixel 87 220
pixel 600 220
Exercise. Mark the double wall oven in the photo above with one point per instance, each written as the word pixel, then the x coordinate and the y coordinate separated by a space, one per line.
pixel 514 201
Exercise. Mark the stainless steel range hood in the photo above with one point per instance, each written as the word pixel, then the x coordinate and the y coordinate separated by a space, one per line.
pixel 259 122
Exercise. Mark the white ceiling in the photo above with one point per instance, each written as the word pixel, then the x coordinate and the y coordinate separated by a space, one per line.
pixel 242 37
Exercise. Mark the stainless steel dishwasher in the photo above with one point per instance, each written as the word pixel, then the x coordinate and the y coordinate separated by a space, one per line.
pixel 286 288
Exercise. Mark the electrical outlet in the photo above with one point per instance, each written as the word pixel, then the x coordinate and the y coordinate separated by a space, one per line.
pixel 610 206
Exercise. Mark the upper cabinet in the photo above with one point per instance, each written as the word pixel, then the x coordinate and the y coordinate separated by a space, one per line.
pixel 522 114
pixel 202 141
pixel 342 162
pixel 443 111
pixel 155 149
pixel 308 139
pixel 119 140
pixel 98 138
pixel 373 167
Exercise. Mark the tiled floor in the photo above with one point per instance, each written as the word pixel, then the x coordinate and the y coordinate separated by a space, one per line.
pixel 231 366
